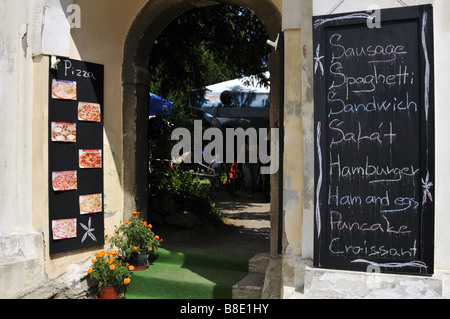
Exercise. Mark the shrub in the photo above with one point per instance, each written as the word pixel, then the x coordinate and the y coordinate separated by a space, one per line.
pixel 189 192
pixel 134 235
pixel 108 270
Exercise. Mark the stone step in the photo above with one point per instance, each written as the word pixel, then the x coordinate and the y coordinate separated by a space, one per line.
pixel 250 287
pixel 259 263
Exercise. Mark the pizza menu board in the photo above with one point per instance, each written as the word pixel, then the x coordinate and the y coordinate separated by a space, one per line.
pixel 76 217
pixel 374 141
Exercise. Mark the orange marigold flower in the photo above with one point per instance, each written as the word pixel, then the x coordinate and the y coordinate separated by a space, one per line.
pixel 150 249
pixel 131 267
pixel 93 260
pixel 90 270
pixel 126 281
pixel 112 267
pixel 156 237
pixel 135 248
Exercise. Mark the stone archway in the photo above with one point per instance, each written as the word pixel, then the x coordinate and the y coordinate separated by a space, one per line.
pixel 148 24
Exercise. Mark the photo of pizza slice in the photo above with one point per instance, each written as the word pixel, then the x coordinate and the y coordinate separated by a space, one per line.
pixel 90 204
pixel 90 158
pixel 64 228
pixel 64 181
pixel 90 112
pixel 64 90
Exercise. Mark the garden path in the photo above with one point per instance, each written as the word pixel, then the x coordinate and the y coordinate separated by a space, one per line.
pixel 246 229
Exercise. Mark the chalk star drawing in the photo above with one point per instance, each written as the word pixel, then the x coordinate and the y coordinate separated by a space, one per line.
pixel 317 58
pixel 426 185
pixel 88 232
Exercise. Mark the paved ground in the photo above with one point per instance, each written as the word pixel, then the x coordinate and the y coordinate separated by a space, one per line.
pixel 247 227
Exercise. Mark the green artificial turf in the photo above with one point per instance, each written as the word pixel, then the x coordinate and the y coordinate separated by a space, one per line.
pixel 189 273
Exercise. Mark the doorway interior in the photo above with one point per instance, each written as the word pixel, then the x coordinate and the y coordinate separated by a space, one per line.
pixel 145 30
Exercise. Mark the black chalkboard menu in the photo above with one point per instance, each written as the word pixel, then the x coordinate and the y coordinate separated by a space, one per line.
pixel 374 141
pixel 76 219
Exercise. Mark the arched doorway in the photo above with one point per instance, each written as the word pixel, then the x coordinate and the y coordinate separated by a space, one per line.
pixel 148 24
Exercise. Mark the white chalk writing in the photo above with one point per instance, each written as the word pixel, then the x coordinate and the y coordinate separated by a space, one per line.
pixel 379 53
pixel 373 192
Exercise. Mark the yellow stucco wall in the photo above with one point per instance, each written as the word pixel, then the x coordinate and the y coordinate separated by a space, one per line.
pixel 104 25
pixel 101 39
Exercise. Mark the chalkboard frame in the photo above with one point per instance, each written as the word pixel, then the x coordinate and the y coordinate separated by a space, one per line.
pixel 424 15
pixel 63 156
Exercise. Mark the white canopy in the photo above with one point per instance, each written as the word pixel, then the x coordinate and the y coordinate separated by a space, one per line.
pixel 252 95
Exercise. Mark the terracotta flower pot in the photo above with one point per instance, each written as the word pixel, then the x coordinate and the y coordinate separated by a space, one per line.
pixel 109 292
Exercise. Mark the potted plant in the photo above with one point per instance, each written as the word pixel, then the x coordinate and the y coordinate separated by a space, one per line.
pixel 110 272
pixel 136 241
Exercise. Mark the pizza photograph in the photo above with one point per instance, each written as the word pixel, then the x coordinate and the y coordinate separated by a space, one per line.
pixel 64 132
pixel 90 204
pixel 64 90
pixel 89 112
pixel 64 181
pixel 90 158
pixel 64 228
